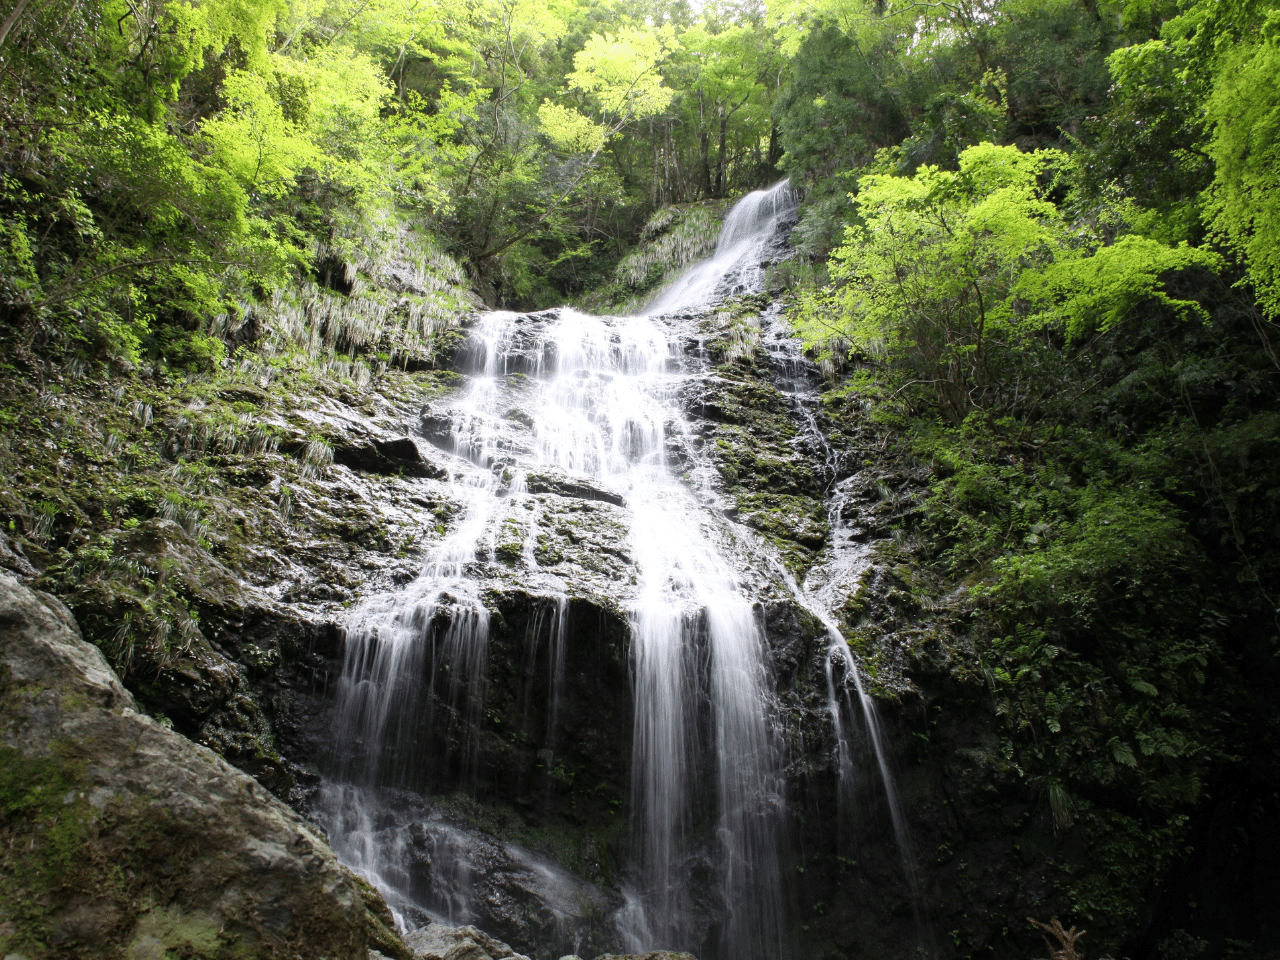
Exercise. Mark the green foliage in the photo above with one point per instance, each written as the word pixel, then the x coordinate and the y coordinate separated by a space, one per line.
pixel 948 273
pixel 173 195
pixel 833 116
pixel 1043 234
pixel 1244 200
pixel 138 609
pixel 1054 274
pixel 178 160
pixel 935 80
pixel 619 73
pixel 1084 294
pixel 1150 141
pixel 1097 634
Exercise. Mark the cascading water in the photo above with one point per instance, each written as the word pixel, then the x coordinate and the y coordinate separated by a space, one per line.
pixel 736 266
pixel 829 583
pixel 437 626
pixel 606 404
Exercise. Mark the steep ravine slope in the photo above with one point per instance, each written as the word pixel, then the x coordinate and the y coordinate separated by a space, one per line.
pixel 225 599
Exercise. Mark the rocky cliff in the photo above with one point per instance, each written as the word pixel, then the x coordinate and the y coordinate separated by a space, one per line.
pixel 221 541
pixel 532 846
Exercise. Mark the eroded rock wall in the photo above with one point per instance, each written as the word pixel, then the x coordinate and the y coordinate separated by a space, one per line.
pixel 268 588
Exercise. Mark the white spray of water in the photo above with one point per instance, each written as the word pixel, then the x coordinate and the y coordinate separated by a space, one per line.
pixel 736 265
pixel 608 402
pixel 828 585
pixel 607 413
pixel 404 648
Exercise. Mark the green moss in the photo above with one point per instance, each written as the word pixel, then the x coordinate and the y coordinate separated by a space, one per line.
pixel 856 605
pixel 39 797
pixel 68 855
pixel 167 931
pixel 548 552
pixel 510 547
pixel 802 520
pixel 748 460
pixel 46 824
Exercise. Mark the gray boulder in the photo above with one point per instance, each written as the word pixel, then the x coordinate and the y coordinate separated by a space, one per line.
pixel 436 941
pixel 120 837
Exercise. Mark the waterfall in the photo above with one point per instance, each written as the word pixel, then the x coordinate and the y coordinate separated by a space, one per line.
pixel 736 266
pixel 603 397
pixel 826 587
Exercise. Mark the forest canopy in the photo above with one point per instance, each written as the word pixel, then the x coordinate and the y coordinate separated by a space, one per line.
pixel 173 156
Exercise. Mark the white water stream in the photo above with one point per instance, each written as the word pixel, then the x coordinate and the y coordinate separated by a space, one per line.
pixel 704 723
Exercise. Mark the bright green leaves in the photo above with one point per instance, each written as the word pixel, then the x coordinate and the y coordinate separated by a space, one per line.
pixel 254 141
pixel 322 115
pixel 925 281
pixel 619 73
pixel 19 277
pixel 167 42
pixel 1198 112
pixel 619 76
pixel 570 130
pixel 1151 141
pixel 1244 201
pixel 1087 293
pixel 948 271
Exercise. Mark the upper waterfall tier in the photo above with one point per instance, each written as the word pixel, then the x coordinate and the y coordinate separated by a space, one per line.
pixel 752 236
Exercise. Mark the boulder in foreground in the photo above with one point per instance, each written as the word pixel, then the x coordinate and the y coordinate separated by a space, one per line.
pixel 436 941
pixel 121 838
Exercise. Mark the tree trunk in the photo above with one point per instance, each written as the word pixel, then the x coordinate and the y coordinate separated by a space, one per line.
pixel 704 147
pixel 655 181
pixel 11 20
pixel 720 162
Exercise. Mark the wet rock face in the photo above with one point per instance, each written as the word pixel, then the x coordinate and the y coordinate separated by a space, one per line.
pixel 560 759
pixel 228 626
pixel 534 805
pixel 545 761
pixel 512 871
pixel 766 458
pixel 812 476
pixel 123 837
pixel 400 456
pixel 209 688
pixel 580 770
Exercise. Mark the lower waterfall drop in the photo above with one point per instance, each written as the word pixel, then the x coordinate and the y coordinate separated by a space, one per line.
pixel 824 589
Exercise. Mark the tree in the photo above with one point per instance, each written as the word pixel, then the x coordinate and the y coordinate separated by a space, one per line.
pixel 949 273
pixel 1243 110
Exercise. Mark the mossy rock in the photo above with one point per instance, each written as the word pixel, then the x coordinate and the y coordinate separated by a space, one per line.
pixel 123 838
pixel 802 520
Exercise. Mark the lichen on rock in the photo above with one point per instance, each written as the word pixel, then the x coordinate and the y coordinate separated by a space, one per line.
pixel 124 838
